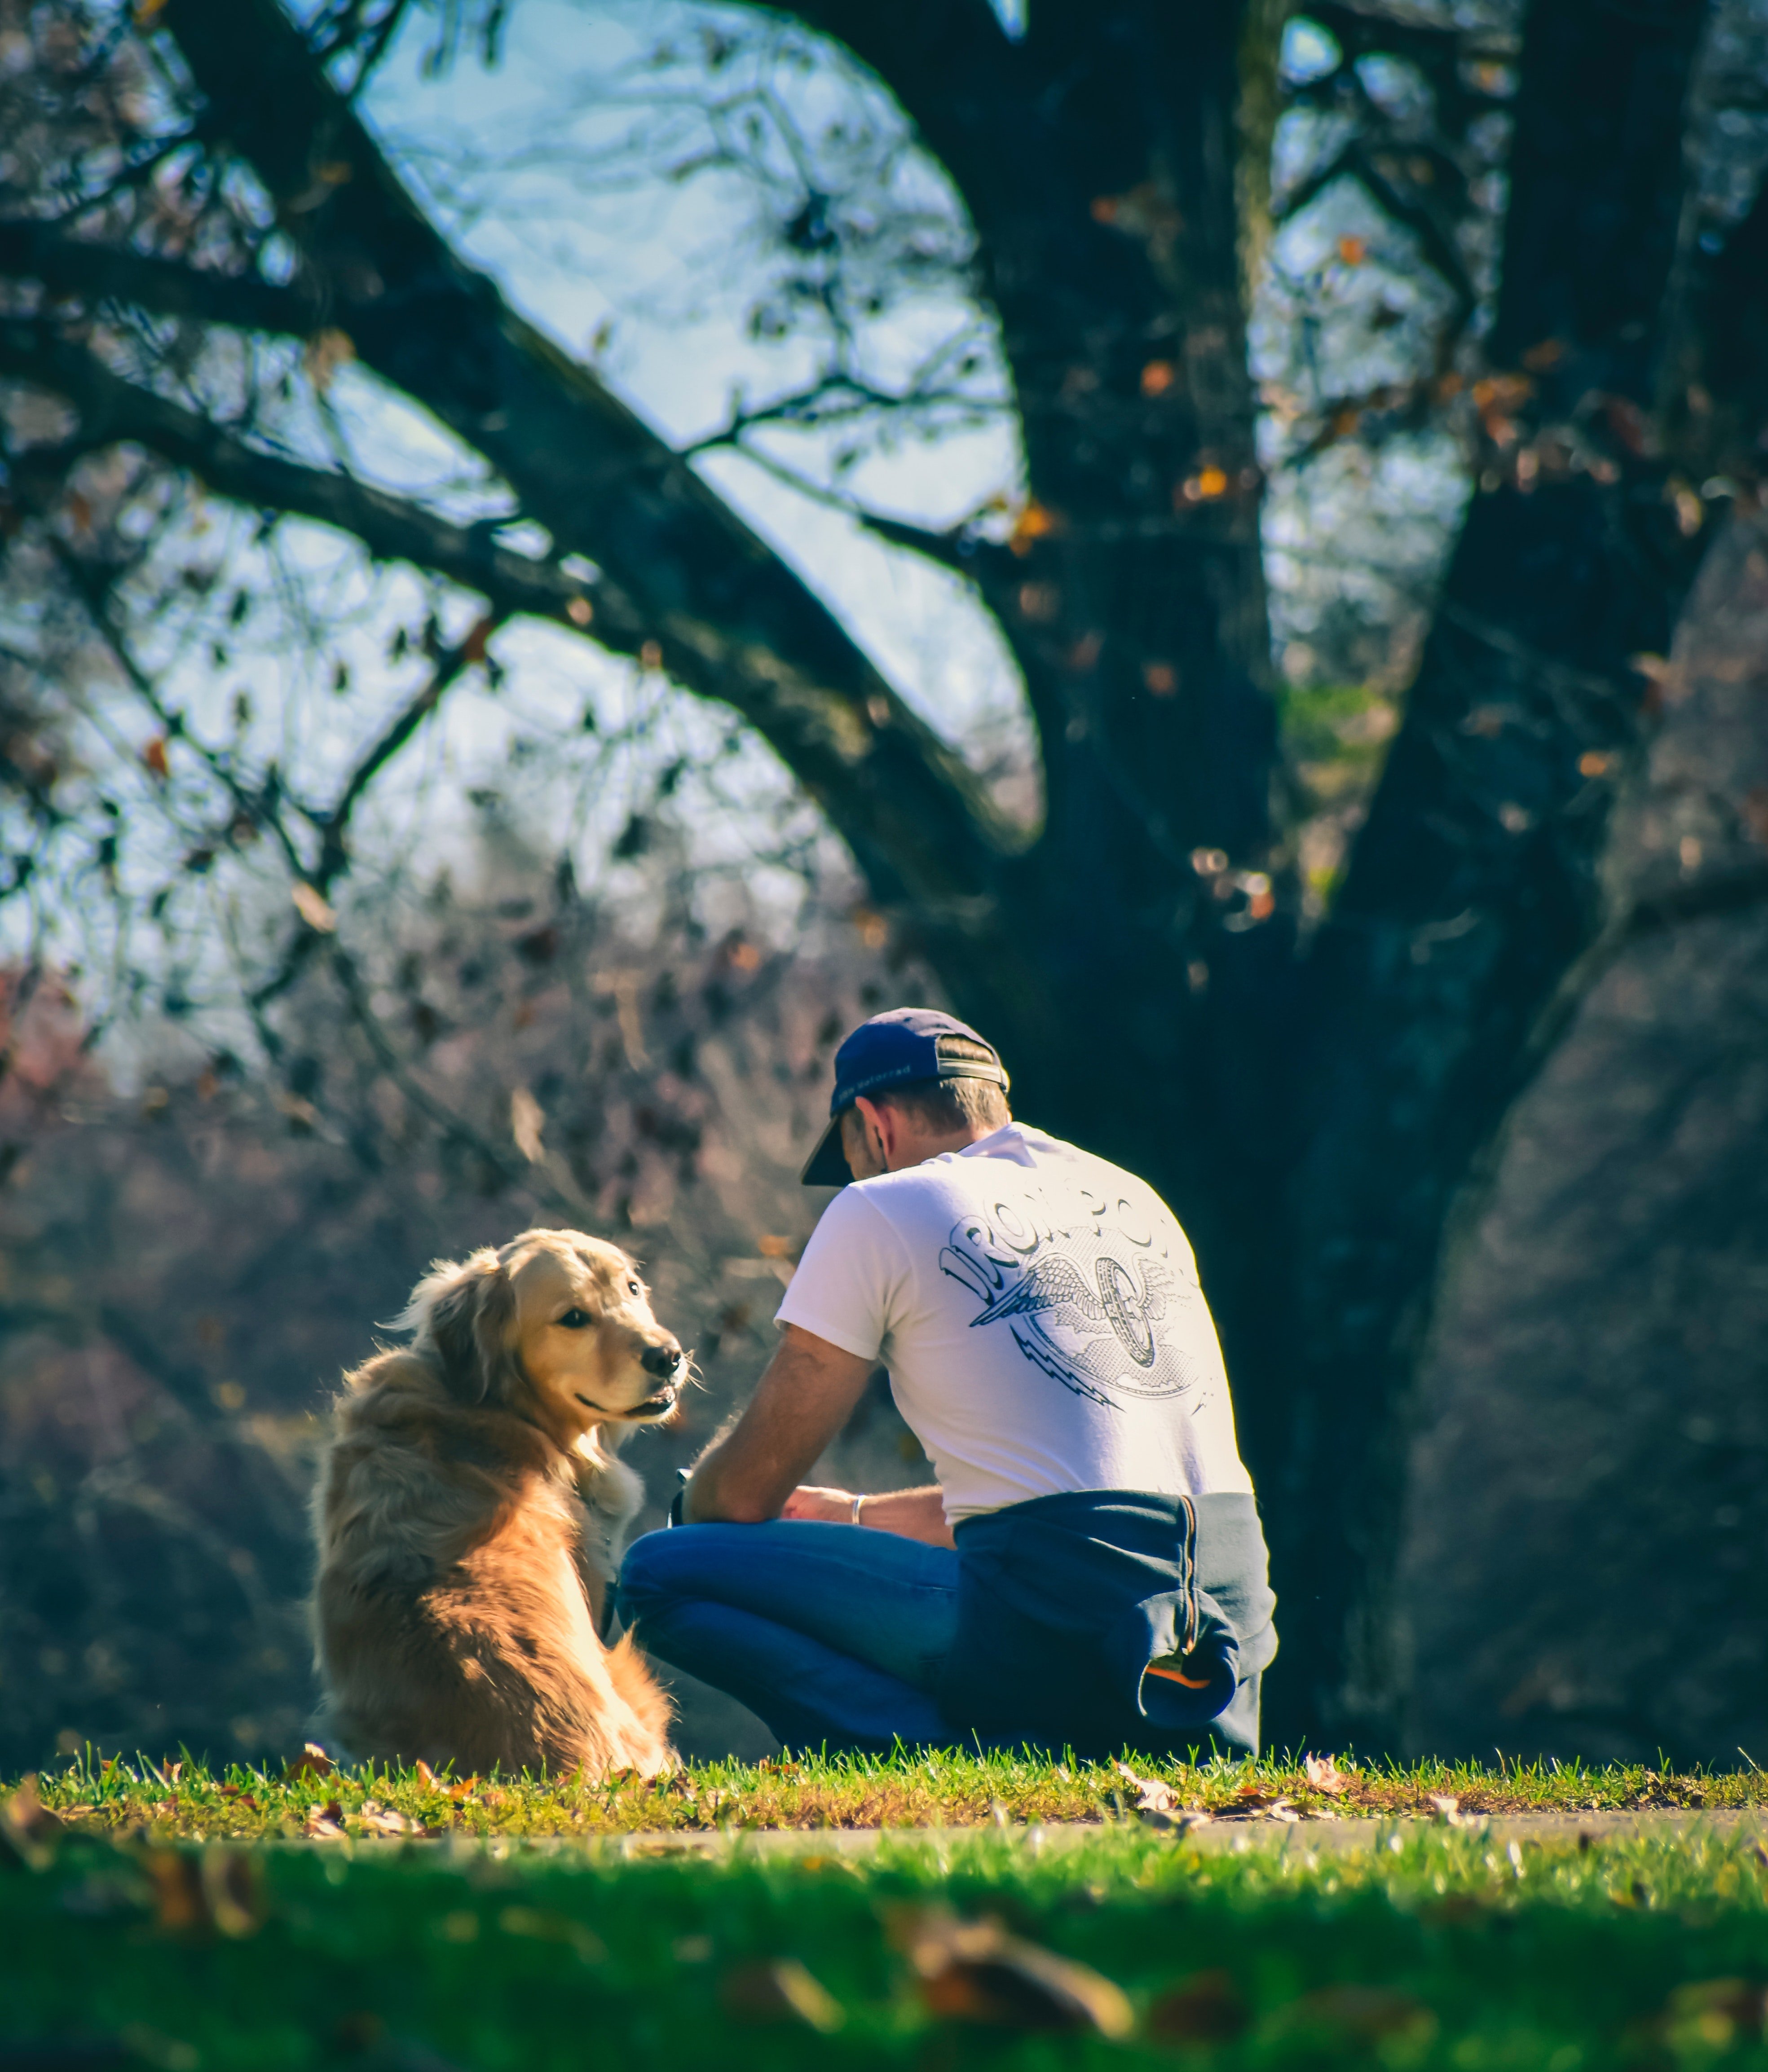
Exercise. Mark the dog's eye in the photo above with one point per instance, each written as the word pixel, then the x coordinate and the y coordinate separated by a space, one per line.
pixel 572 1320
pixel 634 1289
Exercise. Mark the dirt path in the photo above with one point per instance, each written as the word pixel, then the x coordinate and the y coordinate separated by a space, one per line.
pixel 1346 1836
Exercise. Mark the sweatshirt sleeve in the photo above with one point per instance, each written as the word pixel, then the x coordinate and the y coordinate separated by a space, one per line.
pixel 848 1281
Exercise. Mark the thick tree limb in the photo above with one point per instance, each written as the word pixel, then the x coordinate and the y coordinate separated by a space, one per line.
pixel 68 265
pixel 391 528
pixel 733 620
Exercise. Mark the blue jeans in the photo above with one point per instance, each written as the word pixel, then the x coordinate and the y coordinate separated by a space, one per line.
pixel 836 1635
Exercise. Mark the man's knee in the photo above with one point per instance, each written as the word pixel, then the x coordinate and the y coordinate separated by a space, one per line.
pixel 645 1577
pixel 666 1566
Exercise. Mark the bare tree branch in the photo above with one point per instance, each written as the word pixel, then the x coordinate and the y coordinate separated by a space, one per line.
pixel 1354 162
pixel 90 586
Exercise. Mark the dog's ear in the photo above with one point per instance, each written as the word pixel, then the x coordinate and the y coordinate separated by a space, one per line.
pixel 467 1319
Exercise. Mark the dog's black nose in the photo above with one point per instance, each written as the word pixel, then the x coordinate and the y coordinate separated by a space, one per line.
pixel 661 1360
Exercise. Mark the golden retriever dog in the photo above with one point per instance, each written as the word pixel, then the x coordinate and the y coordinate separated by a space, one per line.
pixel 469 1512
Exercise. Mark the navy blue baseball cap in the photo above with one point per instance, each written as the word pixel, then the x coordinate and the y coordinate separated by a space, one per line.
pixel 892 1050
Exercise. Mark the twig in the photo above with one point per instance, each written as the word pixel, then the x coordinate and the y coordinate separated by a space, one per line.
pixel 333 827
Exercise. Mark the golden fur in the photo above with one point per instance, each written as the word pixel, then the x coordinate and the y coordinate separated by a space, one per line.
pixel 469 1512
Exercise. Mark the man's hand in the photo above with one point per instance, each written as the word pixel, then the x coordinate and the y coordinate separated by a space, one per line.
pixel 917 1513
pixel 827 1506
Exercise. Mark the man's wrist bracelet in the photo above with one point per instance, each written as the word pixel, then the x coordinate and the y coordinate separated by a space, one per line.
pixel 857 1519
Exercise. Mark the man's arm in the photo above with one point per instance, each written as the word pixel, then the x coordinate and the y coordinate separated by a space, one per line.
pixel 806 1395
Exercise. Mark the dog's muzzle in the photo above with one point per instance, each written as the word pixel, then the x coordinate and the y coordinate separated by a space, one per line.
pixel 666 1361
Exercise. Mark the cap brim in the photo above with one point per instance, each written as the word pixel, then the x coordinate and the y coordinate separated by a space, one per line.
pixel 827 1165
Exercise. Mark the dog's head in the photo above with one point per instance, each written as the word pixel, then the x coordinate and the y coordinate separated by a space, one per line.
pixel 555 1326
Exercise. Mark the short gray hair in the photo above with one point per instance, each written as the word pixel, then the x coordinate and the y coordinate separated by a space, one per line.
pixel 955 1104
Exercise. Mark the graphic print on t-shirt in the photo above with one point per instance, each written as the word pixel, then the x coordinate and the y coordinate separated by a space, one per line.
pixel 1092 1304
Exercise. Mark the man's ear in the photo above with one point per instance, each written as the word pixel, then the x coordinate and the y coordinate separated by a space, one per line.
pixel 469 1324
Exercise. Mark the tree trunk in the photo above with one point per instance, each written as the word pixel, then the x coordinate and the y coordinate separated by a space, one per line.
pixel 1473 886
pixel 1097 157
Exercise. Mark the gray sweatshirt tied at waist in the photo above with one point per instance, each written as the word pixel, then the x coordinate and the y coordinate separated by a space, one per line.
pixel 1064 1603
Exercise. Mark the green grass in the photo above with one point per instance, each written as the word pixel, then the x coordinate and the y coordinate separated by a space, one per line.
pixel 1448 1949
pixel 188 1800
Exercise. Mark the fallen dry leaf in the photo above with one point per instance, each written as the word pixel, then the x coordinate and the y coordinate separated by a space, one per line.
pixel 1716 2013
pixel 1206 2009
pixel 1323 1774
pixel 312 1761
pixel 1033 523
pixel 1255 1800
pixel 179 1907
pixel 29 1832
pixel 1152 1796
pixel 313 908
pixel 231 1892
pixel 427 1776
pixel 974 1971
pixel 381 1819
pixel 324 1823
pixel 1368 2014
pixel 782 1991
pixel 527 1122
pixel 1456 1909
pixel 535 1925
pixel 327 351
pixel 1175 1823
pixel 25 1814
pixel 219 1889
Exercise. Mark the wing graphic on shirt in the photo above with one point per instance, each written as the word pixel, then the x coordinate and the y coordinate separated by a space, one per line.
pixel 1085 1305
pixel 1049 1283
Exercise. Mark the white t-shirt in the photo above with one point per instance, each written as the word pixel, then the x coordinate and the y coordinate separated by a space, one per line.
pixel 1039 1312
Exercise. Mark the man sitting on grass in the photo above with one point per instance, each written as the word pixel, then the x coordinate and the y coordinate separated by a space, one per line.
pixel 1089 1570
